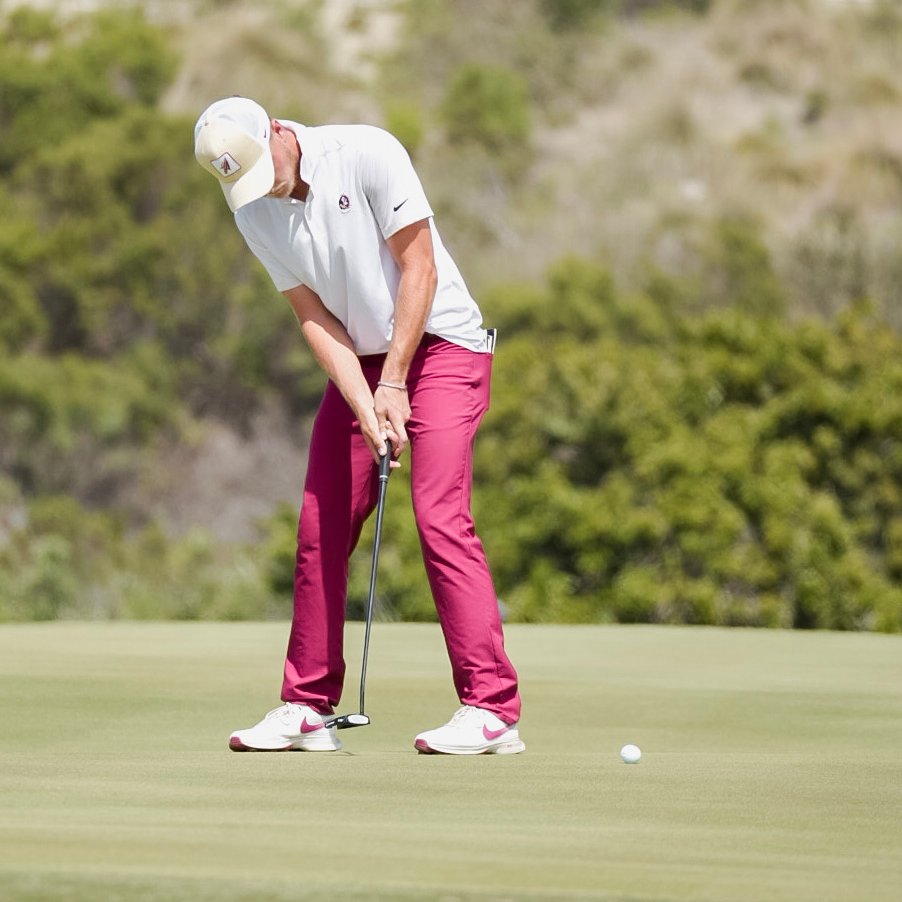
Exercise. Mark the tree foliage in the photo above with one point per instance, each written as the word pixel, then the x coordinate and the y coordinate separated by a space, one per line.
pixel 489 106
pixel 692 452
pixel 643 462
pixel 568 15
pixel 731 468
pixel 129 303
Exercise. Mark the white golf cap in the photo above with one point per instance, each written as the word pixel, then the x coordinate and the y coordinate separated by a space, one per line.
pixel 231 140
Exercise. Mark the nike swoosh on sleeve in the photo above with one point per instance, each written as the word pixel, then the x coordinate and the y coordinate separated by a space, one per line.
pixel 401 204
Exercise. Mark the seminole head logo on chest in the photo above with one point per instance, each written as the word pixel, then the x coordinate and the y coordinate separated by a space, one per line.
pixel 344 203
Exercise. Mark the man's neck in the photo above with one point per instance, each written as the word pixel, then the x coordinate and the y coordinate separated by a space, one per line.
pixel 300 189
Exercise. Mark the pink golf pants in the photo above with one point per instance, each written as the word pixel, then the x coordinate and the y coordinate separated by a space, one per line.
pixel 448 387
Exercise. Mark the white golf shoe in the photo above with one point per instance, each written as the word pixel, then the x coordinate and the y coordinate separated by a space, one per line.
pixel 472 731
pixel 290 727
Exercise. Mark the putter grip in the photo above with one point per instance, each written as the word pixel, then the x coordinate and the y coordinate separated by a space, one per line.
pixel 385 460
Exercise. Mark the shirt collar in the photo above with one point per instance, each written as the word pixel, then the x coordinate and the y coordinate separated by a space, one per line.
pixel 312 148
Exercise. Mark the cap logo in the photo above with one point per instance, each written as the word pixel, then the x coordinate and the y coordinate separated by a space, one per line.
pixel 344 203
pixel 226 165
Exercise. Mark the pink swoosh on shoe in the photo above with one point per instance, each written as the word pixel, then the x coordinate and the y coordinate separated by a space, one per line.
pixel 310 727
pixel 493 734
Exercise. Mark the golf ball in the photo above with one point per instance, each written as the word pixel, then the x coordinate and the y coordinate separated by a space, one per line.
pixel 631 754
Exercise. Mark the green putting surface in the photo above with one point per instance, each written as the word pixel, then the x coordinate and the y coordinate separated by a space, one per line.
pixel 771 769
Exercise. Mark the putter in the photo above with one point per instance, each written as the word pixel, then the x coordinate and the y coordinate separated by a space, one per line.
pixel 360 719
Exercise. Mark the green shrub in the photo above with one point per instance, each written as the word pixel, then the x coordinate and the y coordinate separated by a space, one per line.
pixel 490 107
pixel 574 14
pixel 571 15
pixel 734 468
pixel 405 122
pixel 65 561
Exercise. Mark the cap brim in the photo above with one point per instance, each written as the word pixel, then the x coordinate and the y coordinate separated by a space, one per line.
pixel 252 185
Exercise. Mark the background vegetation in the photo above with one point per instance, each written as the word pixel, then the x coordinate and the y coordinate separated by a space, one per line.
pixel 683 216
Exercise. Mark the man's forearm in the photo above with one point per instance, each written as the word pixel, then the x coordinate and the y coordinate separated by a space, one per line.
pixel 331 346
pixel 416 291
pixel 412 250
pixel 340 363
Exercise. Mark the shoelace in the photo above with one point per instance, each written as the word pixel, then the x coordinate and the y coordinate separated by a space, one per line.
pixel 467 712
pixel 282 712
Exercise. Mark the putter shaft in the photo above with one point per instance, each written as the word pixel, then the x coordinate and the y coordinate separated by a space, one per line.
pixel 345 721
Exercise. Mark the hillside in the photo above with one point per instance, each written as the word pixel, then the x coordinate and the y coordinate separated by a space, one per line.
pixel 645 129
pixel 684 216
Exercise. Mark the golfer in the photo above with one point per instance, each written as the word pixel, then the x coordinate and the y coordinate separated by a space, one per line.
pixel 338 217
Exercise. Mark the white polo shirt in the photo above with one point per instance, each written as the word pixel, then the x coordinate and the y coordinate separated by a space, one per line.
pixel 363 189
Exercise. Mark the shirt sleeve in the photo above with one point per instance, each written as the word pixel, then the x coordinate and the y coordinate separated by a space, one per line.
pixel 282 277
pixel 390 182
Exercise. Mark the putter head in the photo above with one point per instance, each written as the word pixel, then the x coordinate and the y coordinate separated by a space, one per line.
pixel 346 721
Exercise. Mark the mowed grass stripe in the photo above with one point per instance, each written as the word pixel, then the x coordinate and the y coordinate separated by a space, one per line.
pixel 771 769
